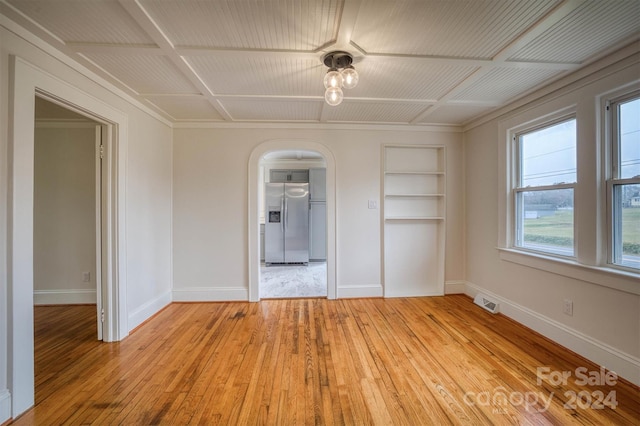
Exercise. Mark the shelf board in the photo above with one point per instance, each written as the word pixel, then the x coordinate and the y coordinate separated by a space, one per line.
pixel 400 218
pixel 413 195
pixel 388 172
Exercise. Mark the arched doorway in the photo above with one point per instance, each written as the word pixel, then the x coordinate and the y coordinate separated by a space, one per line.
pixel 255 201
pixel 292 244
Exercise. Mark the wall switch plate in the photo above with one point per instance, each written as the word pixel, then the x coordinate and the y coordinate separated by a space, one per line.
pixel 86 277
pixel 373 204
pixel 567 307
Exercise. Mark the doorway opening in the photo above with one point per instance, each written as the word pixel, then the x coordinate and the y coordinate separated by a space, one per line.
pixel 67 210
pixel 68 239
pixel 256 200
pixel 293 224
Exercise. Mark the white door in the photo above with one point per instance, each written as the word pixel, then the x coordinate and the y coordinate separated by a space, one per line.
pixel 101 238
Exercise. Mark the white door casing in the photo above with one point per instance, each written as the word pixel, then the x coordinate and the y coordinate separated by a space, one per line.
pixel 29 80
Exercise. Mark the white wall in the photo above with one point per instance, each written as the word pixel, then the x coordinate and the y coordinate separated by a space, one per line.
pixel 64 218
pixel 149 198
pixel 210 202
pixel 146 201
pixel 5 396
pixel 605 326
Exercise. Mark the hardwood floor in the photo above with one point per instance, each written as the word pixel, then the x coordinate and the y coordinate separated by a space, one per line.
pixel 439 360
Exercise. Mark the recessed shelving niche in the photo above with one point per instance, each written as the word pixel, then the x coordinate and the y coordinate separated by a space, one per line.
pixel 414 216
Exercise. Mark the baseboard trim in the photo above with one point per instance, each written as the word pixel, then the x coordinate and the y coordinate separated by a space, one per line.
pixel 625 365
pixel 5 406
pixel 209 294
pixel 395 294
pixel 359 291
pixel 64 297
pixel 148 310
pixel 455 287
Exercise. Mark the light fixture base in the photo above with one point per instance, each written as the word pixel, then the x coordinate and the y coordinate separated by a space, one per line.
pixel 337 59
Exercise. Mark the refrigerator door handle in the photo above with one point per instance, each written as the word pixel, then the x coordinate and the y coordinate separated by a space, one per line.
pixel 286 213
pixel 282 213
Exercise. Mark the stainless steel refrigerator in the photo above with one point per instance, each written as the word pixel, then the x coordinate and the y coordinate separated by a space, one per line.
pixel 286 229
pixel 317 214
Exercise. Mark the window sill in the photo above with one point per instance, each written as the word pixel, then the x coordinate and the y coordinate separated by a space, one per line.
pixel 607 277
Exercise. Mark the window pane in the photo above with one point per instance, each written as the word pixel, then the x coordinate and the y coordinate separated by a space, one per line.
pixel 548 156
pixel 630 139
pixel 627 225
pixel 547 221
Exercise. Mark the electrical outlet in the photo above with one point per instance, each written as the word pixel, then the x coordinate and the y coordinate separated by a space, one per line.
pixel 373 204
pixel 86 277
pixel 567 307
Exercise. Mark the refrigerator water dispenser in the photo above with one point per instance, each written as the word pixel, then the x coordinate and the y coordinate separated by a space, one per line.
pixel 274 216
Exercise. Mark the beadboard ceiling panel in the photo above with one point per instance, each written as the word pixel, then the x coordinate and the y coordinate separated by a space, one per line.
pixel 186 107
pixel 463 29
pixel 260 75
pixel 273 110
pixel 452 114
pixel 379 112
pixel 412 79
pixel 586 31
pixel 420 62
pixel 144 73
pixel 259 24
pixel 84 21
pixel 501 84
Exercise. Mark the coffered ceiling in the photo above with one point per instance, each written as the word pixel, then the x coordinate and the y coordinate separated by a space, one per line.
pixel 420 61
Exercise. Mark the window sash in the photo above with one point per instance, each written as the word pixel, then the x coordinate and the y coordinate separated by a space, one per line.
pixel 615 244
pixel 616 255
pixel 613 107
pixel 519 157
pixel 518 190
pixel 519 208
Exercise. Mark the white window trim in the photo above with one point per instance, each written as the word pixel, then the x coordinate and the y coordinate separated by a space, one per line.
pixel 610 137
pixel 599 274
pixel 617 279
pixel 508 178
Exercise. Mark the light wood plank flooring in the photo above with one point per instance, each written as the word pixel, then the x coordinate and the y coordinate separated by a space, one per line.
pixel 411 361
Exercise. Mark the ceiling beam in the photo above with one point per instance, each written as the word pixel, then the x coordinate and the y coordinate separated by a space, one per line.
pixel 116 49
pixel 142 18
pixel 348 18
pixel 423 60
pixel 502 58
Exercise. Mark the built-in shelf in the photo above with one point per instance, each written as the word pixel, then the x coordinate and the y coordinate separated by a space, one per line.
pixel 413 195
pixel 414 173
pixel 415 218
pixel 414 199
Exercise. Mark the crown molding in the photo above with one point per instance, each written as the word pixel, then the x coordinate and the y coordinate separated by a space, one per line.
pixel 55 52
pixel 624 57
pixel 429 128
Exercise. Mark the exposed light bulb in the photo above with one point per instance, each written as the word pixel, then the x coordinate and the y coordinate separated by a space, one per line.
pixel 333 78
pixel 350 77
pixel 333 96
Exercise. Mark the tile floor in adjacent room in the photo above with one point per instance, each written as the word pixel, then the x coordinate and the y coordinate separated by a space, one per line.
pixel 286 281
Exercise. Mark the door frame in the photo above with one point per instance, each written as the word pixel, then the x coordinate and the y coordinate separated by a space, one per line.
pixel 27 81
pixel 101 179
pixel 254 211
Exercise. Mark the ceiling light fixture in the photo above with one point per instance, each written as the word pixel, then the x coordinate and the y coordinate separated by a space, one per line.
pixel 341 75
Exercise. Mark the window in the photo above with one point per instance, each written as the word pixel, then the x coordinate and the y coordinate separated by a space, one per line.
pixel 624 183
pixel 544 188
